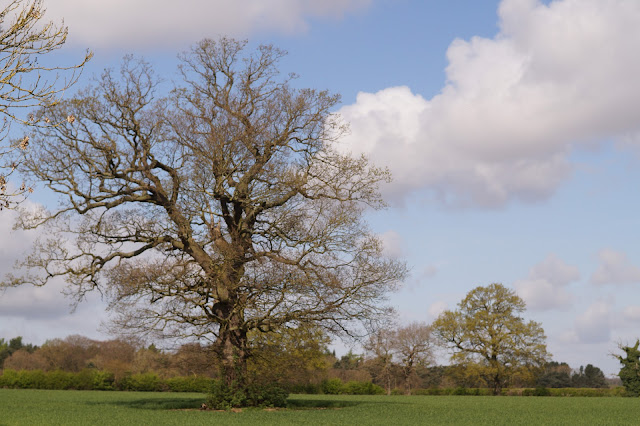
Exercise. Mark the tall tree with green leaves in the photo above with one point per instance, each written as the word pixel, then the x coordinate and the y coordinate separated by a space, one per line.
pixel 630 371
pixel 488 333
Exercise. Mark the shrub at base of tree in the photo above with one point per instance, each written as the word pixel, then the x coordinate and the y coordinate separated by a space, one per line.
pixel 224 397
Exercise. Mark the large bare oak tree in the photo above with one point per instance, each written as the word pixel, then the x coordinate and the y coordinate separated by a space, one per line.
pixel 221 209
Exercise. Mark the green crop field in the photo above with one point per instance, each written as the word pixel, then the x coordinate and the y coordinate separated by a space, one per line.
pixel 40 407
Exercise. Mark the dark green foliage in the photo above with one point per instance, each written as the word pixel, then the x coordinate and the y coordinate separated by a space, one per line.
pixel 189 384
pixel 539 391
pixel 146 382
pixel 332 387
pixel 554 379
pixel 555 375
pixel 588 377
pixel 337 387
pixel 91 379
pixel 589 392
pixel 630 371
pixel 225 397
pixel 14 345
pixel 350 361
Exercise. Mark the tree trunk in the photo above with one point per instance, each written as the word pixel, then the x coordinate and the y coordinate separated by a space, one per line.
pixel 231 348
pixel 497 385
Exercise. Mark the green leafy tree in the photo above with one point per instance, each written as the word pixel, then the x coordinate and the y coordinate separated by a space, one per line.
pixel 488 335
pixel 7 349
pixel 555 375
pixel 630 371
pixel 4 351
pixel 224 209
pixel 588 377
pixel 349 361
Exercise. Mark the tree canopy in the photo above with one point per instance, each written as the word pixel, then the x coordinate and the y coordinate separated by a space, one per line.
pixel 221 209
pixel 488 335
pixel 630 371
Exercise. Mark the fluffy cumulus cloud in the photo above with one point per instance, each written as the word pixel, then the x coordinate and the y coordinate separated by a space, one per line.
pixel 615 268
pixel 545 287
pixel 513 108
pixel 153 23
pixel 594 325
pixel 27 300
pixel 39 312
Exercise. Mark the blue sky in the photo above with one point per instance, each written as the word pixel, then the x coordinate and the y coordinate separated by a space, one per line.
pixel 511 129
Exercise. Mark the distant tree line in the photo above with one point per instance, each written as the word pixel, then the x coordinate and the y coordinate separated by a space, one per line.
pixel 491 347
pixel 298 360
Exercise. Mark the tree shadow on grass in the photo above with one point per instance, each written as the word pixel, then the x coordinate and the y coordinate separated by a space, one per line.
pixel 161 403
pixel 318 404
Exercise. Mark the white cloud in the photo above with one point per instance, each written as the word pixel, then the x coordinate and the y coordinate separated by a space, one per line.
pixel 615 268
pixel 544 288
pixel 631 313
pixel 554 270
pixel 594 325
pixel 513 108
pixel 435 309
pixel 38 313
pixel 541 295
pixel 152 23
pixel 393 244
pixel 30 302
pixel 428 271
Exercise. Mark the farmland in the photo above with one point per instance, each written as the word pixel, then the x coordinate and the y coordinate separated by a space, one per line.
pixel 40 407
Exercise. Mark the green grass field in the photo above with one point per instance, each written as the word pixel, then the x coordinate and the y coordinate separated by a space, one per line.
pixel 41 407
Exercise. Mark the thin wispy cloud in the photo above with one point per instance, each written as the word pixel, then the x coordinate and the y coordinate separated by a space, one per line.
pixel 161 24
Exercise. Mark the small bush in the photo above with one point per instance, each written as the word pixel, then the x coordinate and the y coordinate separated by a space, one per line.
pixel 223 397
pixel 146 382
pixel 31 379
pixel 59 380
pixel 8 379
pixel 332 386
pixel 102 380
pixel 271 395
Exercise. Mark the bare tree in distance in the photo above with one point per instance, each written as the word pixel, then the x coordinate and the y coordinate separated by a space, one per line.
pixel 381 347
pixel 414 345
pixel 220 210
pixel 26 82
